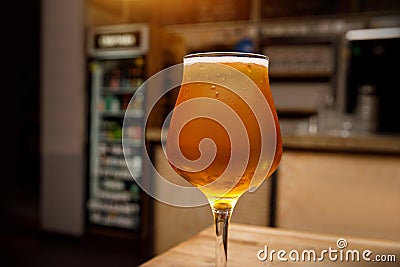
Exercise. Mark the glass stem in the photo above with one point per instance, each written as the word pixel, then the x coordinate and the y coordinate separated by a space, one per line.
pixel 221 218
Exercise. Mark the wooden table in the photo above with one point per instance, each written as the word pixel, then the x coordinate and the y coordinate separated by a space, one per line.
pixel 247 245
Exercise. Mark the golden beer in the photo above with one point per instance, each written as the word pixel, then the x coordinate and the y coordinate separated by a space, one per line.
pixel 229 189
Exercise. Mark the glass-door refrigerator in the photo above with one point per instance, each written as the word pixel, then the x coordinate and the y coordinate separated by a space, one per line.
pixel 117 60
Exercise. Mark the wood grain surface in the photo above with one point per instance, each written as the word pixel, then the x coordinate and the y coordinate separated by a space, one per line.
pixel 245 242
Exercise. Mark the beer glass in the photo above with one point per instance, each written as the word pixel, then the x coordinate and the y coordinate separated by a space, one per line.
pixel 224 136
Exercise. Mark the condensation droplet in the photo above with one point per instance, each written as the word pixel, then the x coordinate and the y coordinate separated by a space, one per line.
pixel 249 67
pixel 217 94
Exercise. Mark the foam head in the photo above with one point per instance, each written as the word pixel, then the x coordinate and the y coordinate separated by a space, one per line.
pixel 227 57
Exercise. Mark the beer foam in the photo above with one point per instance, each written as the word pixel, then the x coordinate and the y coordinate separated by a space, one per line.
pixel 221 58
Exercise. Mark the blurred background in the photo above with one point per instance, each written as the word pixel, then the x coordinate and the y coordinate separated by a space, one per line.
pixel 72 67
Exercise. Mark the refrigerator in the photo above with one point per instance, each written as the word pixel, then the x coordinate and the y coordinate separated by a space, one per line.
pixel 117 66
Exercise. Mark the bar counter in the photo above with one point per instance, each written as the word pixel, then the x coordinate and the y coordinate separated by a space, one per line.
pixel 371 143
pixel 251 245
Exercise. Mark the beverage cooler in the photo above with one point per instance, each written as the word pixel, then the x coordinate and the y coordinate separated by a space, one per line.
pixel 117 61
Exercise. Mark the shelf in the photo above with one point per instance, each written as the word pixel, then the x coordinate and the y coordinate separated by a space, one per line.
pixel 120 175
pixel 118 221
pixel 136 143
pixel 295 75
pixel 119 90
pixel 97 205
pixel 122 196
pixel 122 113
pixel 112 161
